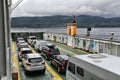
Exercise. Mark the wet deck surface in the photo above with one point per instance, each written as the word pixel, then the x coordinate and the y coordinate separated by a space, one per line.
pixel 39 76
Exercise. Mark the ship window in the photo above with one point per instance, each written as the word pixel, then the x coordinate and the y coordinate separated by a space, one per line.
pixel 71 68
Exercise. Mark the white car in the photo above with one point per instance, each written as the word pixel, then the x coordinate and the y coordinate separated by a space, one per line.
pixel 22 45
pixel 33 62
pixel 40 44
pixel 19 39
pixel 31 39
pixel 20 42
pixel 24 51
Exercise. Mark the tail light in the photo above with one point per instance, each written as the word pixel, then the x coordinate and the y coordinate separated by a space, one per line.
pixel 49 52
pixel 63 66
pixel 43 63
pixel 28 64
pixel 58 52
pixel 20 54
pixel 64 63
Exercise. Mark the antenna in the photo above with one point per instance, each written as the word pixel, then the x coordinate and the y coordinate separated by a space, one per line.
pixel 88 31
pixel 73 20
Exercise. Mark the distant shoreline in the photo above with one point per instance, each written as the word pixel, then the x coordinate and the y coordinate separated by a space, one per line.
pixel 62 27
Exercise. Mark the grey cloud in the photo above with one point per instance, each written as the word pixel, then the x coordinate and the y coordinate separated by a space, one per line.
pixel 106 8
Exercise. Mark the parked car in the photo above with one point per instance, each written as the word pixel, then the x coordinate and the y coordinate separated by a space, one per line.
pixel 20 42
pixel 33 43
pixel 22 45
pixel 19 39
pixel 50 50
pixel 31 39
pixel 60 62
pixel 40 44
pixel 24 51
pixel 33 62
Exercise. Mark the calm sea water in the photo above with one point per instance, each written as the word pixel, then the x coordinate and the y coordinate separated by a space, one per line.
pixel 95 32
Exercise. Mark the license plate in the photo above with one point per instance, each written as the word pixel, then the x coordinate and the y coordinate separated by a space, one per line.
pixel 36 65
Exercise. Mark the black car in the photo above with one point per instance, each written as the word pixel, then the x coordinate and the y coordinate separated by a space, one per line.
pixel 60 62
pixel 49 50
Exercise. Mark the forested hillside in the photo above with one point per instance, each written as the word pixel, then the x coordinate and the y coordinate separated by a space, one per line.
pixel 61 21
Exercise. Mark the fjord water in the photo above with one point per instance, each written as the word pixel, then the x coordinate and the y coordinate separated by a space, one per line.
pixel 95 32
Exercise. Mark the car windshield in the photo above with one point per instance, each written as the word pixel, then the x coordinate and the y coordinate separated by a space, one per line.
pixel 35 60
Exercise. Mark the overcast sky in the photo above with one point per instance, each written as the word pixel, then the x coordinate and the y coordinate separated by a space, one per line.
pixel 106 8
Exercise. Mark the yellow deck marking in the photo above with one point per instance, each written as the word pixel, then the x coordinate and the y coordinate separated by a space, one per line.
pixel 54 74
pixel 14 59
pixel 83 51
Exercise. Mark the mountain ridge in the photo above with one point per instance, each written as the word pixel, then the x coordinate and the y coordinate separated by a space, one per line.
pixel 82 21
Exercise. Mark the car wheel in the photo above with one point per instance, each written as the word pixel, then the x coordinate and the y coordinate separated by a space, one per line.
pixel 22 66
pixel 19 58
pixel 26 72
pixel 37 50
pixel 46 57
pixel 43 71
pixel 58 69
pixel 40 51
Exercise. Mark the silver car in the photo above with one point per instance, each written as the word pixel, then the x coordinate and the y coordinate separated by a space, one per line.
pixel 33 62
pixel 24 51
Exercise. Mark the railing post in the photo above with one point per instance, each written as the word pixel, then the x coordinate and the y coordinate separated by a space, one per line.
pixel 5 73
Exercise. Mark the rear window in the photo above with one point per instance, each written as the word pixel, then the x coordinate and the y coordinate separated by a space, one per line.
pixel 52 47
pixel 35 60
pixel 25 52
pixel 43 44
pixel 33 38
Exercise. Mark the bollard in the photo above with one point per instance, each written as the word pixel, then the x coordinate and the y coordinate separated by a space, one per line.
pixel 14 73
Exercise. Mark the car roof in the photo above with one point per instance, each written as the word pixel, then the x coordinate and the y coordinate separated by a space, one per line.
pixel 50 44
pixel 23 43
pixel 25 49
pixel 65 57
pixel 20 38
pixel 33 55
pixel 41 41
pixel 32 36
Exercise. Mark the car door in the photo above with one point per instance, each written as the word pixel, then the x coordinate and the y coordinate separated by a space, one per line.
pixel 24 59
pixel 55 61
pixel 46 50
pixel 36 45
